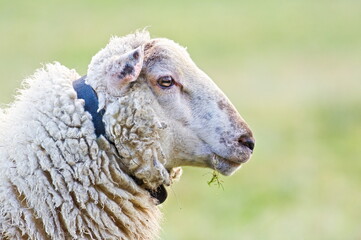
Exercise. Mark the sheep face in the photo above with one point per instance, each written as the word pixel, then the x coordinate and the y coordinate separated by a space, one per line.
pixel 163 112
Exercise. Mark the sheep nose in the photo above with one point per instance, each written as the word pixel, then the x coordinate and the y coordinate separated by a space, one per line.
pixel 247 141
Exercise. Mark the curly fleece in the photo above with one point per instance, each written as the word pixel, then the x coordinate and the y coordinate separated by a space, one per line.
pixel 58 181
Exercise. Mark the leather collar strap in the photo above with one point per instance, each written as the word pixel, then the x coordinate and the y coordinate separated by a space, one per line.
pixel 87 93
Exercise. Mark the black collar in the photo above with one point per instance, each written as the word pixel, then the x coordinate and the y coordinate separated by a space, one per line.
pixel 87 93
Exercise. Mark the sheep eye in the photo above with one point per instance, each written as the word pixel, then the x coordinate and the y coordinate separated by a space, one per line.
pixel 165 82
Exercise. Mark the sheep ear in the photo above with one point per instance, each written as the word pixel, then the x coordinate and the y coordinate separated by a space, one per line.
pixel 125 68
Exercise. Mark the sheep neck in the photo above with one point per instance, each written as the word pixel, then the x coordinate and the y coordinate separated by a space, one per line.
pixel 87 93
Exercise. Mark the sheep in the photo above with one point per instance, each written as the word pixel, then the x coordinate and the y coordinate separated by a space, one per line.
pixel 94 166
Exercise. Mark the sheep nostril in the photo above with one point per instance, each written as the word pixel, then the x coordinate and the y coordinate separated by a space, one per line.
pixel 247 141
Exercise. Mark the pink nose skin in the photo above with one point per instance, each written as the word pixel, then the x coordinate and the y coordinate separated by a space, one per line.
pixel 247 141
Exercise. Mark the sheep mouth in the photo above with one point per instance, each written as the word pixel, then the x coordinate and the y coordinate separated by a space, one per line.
pixel 227 166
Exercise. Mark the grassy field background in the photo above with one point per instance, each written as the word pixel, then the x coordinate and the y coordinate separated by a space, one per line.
pixel 292 69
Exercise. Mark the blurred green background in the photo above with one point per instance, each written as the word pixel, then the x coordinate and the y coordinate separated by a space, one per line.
pixel 292 69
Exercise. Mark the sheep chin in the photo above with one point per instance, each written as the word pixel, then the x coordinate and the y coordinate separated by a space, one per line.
pixel 224 166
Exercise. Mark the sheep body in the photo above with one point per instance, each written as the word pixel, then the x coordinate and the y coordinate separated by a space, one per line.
pixel 57 180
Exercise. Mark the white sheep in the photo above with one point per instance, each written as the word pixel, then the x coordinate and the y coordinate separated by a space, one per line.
pixel 72 168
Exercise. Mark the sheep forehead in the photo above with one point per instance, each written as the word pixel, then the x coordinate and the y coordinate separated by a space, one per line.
pixel 167 44
pixel 164 49
pixel 164 55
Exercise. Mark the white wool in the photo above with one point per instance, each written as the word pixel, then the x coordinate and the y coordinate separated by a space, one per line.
pixel 57 180
pixel 130 119
pixel 134 128
pixel 116 46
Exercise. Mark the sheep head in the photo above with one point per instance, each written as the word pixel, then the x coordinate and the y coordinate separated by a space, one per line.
pixel 163 112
